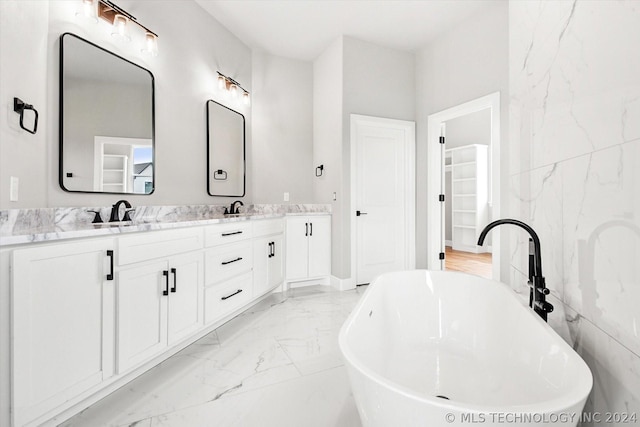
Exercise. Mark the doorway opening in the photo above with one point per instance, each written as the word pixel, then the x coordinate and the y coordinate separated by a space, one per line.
pixel 464 186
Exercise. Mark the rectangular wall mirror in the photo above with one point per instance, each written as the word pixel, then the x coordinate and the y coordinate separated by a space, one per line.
pixel 225 151
pixel 106 121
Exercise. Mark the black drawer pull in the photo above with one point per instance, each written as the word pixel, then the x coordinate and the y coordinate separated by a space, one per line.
pixel 233 260
pixel 311 229
pixel 232 233
pixel 175 279
pixel 110 255
pixel 229 296
pixel 165 273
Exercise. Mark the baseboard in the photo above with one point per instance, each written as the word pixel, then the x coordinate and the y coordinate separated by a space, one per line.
pixel 342 284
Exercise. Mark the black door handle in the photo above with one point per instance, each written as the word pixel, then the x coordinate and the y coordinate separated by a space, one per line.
pixel 310 229
pixel 110 255
pixel 306 228
pixel 358 213
pixel 165 273
pixel 175 279
pixel 270 250
pixel 273 248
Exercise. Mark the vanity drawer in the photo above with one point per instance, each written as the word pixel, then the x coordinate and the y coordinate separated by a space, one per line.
pixel 223 299
pixel 158 244
pixel 227 261
pixel 265 227
pixel 227 233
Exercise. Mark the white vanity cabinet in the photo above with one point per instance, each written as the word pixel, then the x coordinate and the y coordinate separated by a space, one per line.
pixel 308 247
pixel 159 297
pixel 90 314
pixel 62 321
pixel 228 269
pixel 268 255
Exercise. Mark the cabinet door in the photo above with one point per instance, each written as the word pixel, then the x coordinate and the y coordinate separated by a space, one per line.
pixel 62 325
pixel 319 246
pixel 186 281
pixel 261 259
pixel 297 256
pixel 141 313
pixel 276 262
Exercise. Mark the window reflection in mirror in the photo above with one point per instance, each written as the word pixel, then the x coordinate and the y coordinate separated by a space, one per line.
pixel 106 121
pixel 225 151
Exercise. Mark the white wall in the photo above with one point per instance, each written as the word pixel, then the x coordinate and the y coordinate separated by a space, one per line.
pixel 353 77
pixel 575 127
pixel 192 46
pixel 467 62
pixel 23 29
pixel 282 104
pixel 474 128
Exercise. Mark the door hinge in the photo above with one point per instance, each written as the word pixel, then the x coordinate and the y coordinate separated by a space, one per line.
pixel 441 255
pixel 442 140
pixel 441 197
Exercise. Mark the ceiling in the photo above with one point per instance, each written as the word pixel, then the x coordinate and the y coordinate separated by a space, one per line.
pixel 302 29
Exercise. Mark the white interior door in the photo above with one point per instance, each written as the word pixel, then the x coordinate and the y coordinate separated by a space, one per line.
pixel 384 195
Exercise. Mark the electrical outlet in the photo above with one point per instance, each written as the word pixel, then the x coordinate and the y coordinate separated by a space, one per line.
pixel 13 189
pixel 334 196
pixel 286 196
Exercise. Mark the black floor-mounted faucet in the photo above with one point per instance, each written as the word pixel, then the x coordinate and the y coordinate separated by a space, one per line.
pixel 538 291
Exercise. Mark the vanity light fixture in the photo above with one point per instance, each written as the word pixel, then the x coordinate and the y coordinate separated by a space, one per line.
pixel 121 20
pixel 229 84
pixel 88 11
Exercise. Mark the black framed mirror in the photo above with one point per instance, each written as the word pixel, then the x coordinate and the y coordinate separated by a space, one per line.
pixel 107 121
pixel 226 165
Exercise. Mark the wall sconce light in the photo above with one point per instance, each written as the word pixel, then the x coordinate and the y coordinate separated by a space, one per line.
pixel 88 11
pixel 319 170
pixel 234 88
pixel 121 20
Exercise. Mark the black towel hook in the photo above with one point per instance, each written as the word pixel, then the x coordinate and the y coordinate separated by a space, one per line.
pixel 19 106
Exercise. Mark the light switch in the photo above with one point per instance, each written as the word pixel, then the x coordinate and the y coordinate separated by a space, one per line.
pixel 286 196
pixel 13 189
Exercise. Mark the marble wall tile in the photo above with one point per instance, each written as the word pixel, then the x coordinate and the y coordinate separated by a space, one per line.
pixel 573 71
pixel 575 110
pixel 601 236
pixel 538 196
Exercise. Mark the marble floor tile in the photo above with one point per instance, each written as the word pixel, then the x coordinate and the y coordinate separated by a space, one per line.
pixel 286 345
pixel 323 399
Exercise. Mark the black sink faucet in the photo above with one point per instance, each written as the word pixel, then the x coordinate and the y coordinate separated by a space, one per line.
pixel 233 209
pixel 115 211
pixel 538 290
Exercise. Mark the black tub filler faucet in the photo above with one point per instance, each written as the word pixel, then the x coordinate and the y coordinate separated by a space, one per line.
pixel 537 288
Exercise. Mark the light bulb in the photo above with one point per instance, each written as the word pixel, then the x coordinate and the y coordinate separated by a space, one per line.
pixel 222 82
pixel 88 11
pixel 246 99
pixel 151 44
pixel 234 90
pixel 120 30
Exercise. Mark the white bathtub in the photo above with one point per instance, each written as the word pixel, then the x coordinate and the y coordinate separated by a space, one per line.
pixel 416 335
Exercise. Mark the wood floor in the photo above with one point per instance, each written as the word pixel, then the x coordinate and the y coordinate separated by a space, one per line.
pixel 467 262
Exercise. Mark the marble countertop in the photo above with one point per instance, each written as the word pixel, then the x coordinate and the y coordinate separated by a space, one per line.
pixel 21 228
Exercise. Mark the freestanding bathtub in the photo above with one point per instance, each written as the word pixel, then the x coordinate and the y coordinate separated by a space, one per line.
pixel 433 348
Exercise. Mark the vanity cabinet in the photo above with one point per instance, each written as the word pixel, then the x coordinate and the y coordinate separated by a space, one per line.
pixel 62 320
pixel 88 315
pixel 268 255
pixel 308 247
pixel 158 299
pixel 228 269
